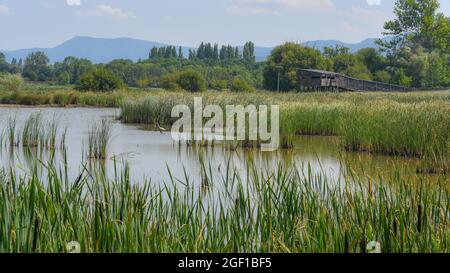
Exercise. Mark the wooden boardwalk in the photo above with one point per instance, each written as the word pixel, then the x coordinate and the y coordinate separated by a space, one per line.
pixel 311 79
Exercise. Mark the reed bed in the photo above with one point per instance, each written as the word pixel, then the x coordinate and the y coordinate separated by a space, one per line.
pixel 283 211
pixel 64 98
pixel 309 119
pixel 36 132
pixel 411 124
pixel 11 131
pixel 98 139
pixel 156 108
pixel 416 130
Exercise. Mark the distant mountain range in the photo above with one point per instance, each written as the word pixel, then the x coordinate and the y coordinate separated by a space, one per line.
pixel 320 44
pixel 101 50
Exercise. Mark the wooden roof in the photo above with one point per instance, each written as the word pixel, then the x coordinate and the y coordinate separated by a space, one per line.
pixel 317 71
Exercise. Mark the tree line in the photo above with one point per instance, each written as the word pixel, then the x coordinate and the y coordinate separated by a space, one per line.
pixel 416 53
pixel 160 70
pixel 207 51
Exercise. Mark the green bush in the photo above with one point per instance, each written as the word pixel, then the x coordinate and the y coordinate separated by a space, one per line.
pixel 383 76
pixel 219 85
pixel 191 80
pixel 64 78
pixel 143 83
pixel 11 82
pixel 169 82
pixel 100 80
pixel 240 85
pixel 402 78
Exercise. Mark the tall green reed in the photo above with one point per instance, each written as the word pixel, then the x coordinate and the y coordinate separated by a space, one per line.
pixel 285 210
pixel 98 138
pixel 412 124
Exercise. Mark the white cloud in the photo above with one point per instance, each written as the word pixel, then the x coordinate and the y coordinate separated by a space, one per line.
pixel 305 4
pixel 106 11
pixel 371 16
pixel 240 10
pixel 73 2
pixel 4 9
pixel 374 2
pixel 362 22
pixel 262 7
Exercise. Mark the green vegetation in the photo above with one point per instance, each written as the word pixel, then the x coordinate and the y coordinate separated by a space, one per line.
pixel 56 95
pixel 156 107
pixel 284 62
pixel 166 68
pixel 412 124
pixel 286 210
pixel 99 79
pixel 35 133
pixel 99 136
pixel 10 133
pixel 191 81
pixel 240 85
pixel 11 82
pixel 419 130
pixel 281 211
pixel 420 45
pixel 37 67
pixel 71 70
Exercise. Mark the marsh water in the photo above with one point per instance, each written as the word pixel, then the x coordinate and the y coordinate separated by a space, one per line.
pixel 150 154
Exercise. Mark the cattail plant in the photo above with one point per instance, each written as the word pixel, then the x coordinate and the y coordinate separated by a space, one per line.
pixel 99 136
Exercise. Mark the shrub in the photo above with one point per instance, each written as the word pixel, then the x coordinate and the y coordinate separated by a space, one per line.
pixel 11 82
pixel 219 85
pixel 64 78
pixel 383 76
pixel 143 83
pixel 191 80
pixel 402 79
pixel 240 85
pixel 169 82
pixel 100 79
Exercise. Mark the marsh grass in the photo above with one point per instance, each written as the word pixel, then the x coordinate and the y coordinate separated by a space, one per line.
pixel 411 124
pixel 36 132
pixel 284 210
pixel 419 130
pixel 31 132
pixel 11 131
pixel 64 97
pixel 98 138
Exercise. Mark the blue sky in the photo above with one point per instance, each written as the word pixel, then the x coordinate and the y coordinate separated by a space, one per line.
pixel 46 23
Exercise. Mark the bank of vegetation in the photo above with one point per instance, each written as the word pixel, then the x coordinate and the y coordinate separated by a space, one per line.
pixel 412 124
pixel 283 211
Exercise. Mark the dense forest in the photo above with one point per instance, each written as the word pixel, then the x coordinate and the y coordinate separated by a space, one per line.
pixel 416 54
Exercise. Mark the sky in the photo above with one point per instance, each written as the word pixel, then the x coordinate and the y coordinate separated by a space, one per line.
pixel 47 23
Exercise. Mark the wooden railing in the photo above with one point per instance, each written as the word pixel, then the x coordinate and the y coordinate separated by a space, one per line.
pixel 349 83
